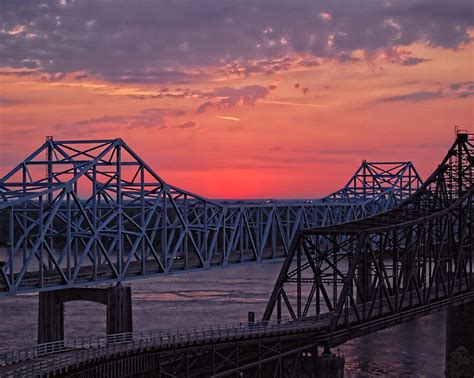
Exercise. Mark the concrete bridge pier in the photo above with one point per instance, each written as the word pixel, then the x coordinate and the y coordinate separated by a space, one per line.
pixel 119 310
pixel 118 300
pixel 460 329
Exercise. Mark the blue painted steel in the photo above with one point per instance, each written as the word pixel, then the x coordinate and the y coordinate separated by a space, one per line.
pixel 86 212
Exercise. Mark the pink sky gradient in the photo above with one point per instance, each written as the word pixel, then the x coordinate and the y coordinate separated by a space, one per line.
pixel 291 123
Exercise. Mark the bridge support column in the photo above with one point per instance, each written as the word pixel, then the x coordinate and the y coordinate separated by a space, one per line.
pixel 460 329
pixel 328 365
pixel 118 300
pixel 119 309
pixel 50 318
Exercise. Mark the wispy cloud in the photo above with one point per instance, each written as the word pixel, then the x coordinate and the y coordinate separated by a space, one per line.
pixel 414 97
pixel 230 97
pixel 147 118
pixel 287 103
pixel 229 118
pixel 186 125
pixel 10 101
pixel 413 61
pixel 459 90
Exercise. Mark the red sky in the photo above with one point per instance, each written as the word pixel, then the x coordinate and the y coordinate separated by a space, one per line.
pixel 223 117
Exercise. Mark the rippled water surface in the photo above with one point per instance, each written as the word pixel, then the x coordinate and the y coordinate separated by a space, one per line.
pixel 225 296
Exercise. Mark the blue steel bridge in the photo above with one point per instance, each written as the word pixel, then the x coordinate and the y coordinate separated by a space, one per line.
pixel 377 253
pixel 84 212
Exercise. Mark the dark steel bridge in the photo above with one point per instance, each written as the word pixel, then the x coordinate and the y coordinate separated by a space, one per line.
pixel 337 282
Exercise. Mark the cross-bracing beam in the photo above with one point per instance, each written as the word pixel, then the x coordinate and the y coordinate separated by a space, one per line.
pixel 418 255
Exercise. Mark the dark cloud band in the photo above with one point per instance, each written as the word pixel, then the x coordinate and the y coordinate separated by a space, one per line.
pixel 164 41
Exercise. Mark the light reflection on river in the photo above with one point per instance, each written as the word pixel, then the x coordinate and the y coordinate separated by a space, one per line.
pixel 225 296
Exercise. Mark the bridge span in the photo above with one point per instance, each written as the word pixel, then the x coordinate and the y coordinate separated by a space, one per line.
pixel 337 282
pixel 78 213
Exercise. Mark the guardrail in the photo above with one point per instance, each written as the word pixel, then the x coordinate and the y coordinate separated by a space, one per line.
pixel 22 354
pixel 99 347
pixel 70 353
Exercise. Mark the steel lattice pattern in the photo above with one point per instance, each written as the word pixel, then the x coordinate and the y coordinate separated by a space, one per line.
pixel 82 212
pixel 413 258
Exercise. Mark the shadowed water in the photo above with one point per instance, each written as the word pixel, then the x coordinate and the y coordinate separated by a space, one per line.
pixel 219 296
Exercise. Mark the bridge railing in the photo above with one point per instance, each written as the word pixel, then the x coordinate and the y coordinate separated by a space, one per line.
pixel 158 337
pixel 22 354
pixel 66 354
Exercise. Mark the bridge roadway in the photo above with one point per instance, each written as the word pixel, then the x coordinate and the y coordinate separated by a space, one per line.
pixel 135 270
pixel 292 336
pixel 245 232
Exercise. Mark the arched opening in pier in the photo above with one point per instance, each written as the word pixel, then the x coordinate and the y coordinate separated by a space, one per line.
pixel 116 300
pixel 84 319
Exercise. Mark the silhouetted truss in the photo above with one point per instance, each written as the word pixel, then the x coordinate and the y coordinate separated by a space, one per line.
pixel 380 180
pixel 411 259
pixel 81 212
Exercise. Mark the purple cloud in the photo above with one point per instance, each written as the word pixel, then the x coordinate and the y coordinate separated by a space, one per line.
pixel 10 101
pixel 414 97
pixel 159 42
pixel 459 90
pixel 413 61
pixel 186 125
pixel 146 118
pixel 231 97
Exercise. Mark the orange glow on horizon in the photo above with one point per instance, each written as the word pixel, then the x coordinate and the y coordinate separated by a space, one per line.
pixel 303 138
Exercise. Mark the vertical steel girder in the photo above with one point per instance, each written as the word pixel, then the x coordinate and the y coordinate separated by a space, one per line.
pixel 80 212
pixel 418 255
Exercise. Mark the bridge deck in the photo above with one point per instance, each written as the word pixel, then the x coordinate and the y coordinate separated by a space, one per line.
pixel 101 274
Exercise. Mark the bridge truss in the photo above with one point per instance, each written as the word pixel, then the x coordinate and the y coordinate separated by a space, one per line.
pixel 81 212
pixel 337 282
pixel 380 185
pixel 413 258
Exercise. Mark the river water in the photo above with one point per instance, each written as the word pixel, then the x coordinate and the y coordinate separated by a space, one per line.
pixel 220 296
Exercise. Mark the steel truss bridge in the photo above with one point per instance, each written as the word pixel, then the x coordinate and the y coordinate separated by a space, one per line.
pixel 83 212
pixel 337 282
pixel 417 254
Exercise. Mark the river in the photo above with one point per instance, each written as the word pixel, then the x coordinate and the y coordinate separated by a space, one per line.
pixel 226 296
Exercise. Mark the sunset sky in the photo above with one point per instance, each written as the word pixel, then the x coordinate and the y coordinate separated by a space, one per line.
pixel 240 99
